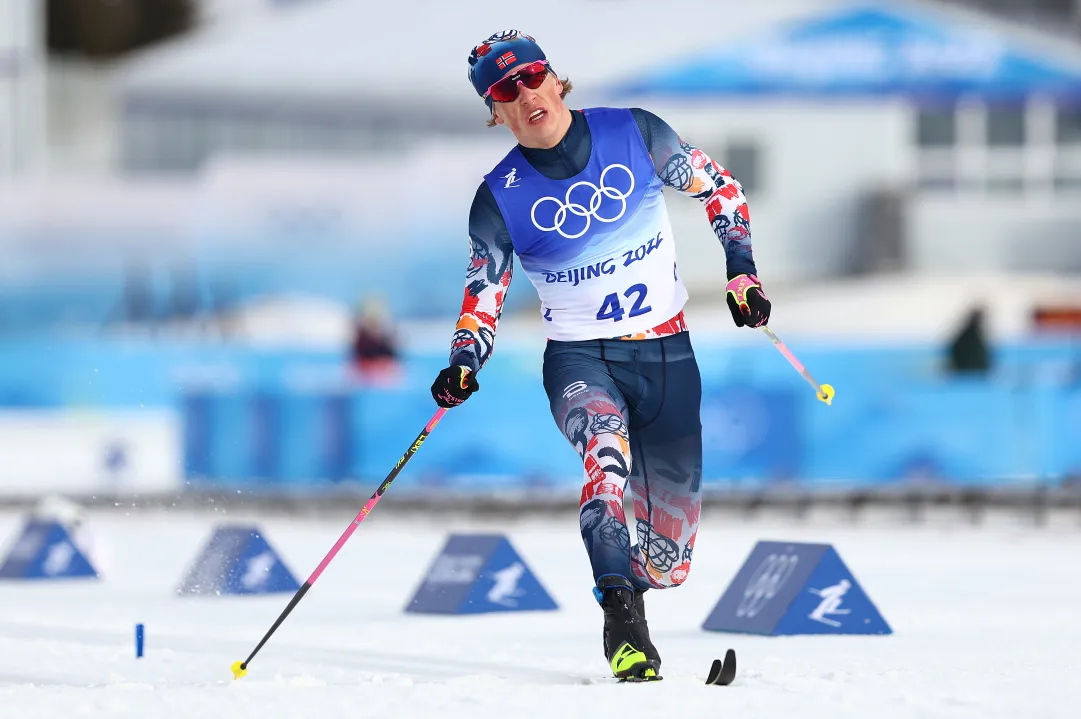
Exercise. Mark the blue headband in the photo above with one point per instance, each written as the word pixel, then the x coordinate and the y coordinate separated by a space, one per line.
pixel 490 61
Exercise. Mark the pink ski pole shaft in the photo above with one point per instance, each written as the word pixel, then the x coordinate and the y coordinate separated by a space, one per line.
pixel 241 668
pixel 823 392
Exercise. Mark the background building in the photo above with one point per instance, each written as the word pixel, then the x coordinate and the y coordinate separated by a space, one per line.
pixel 203 202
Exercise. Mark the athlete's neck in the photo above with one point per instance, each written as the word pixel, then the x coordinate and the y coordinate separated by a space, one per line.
pixel 566 158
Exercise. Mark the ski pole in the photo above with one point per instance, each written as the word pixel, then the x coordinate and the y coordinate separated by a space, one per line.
pixel 241 668
pixel 823 392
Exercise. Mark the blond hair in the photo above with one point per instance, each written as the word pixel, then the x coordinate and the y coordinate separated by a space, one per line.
pixel 567 87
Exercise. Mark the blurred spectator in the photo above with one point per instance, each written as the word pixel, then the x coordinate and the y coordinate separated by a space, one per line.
pixel 1058 318
pixel 968 350
pixel 374 351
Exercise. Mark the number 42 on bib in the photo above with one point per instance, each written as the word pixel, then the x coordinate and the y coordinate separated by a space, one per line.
pixel 612 310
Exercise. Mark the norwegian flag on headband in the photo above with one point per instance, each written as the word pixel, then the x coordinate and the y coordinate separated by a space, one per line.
pixel 504 60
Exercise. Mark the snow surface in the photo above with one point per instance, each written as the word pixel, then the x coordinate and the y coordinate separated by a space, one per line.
pixel 987 623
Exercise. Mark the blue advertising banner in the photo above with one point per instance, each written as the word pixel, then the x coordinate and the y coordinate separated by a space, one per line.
pixel 750 433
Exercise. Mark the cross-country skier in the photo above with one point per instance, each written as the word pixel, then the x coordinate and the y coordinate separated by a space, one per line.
pixel 579 201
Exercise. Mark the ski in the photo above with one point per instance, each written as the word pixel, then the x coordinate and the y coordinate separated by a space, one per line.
pixel 723 673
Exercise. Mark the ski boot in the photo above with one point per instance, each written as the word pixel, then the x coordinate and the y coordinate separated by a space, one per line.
pixel 630 654
pixel 649 650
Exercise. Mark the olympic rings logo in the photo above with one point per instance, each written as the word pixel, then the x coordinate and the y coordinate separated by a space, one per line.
pixel 767 580
pixel 590 212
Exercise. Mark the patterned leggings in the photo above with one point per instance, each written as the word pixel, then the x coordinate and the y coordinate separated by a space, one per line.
pixel 631 410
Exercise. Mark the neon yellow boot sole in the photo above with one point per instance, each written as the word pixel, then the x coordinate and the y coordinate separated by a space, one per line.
pixel 630 664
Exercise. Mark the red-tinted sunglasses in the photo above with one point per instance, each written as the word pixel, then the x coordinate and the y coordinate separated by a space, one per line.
pixel 506 89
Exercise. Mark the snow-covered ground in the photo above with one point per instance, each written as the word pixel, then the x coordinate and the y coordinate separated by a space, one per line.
pixel 987 623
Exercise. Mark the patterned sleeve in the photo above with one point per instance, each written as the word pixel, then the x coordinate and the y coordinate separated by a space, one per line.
pixel 690 171
pixel 487 280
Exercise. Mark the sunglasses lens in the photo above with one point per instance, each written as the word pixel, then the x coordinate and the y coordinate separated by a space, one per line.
pixel 505 90
pixel 533 80
pixel 532 76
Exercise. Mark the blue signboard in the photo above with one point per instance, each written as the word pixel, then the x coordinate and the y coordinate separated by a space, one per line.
pixel 45 550
pixel 478 573
pixel 794 588
pixel 237 560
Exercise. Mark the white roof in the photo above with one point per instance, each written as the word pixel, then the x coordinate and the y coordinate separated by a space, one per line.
pixel 415 51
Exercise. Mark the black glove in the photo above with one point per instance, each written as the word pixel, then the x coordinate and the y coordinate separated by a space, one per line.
pixel 749 304
pixel 454 385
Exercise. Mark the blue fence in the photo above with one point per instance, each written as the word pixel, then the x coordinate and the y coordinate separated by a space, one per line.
pixel 285 418
pixel 86 285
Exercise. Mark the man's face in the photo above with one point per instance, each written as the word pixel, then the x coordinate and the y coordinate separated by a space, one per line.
pixel 538 118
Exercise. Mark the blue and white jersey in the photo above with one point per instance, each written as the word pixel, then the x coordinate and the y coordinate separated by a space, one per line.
pixel 597 246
